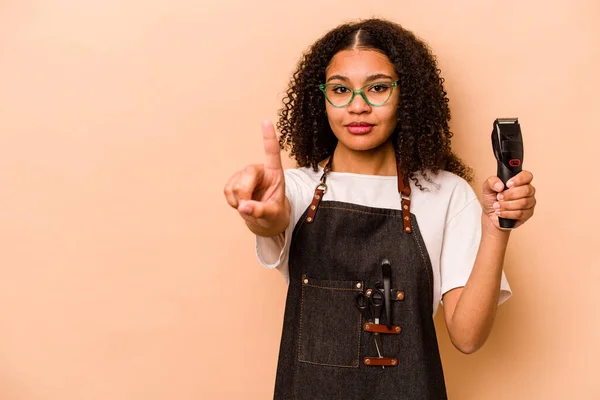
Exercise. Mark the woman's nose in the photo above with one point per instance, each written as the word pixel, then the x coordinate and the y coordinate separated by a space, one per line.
pixel 358 105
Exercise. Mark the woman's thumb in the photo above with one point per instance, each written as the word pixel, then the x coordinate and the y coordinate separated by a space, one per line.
pixel 245 207
pixel 255 209
pixel 494 184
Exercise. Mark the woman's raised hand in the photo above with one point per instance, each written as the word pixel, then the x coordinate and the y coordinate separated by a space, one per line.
pixel 257 191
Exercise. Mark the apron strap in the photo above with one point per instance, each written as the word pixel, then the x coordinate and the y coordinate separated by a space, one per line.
pixel 403 189
pixel 320 190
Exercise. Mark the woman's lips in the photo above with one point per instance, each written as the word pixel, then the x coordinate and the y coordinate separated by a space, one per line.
pixel 360 129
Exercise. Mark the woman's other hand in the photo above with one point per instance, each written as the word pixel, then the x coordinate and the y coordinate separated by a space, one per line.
pixel 517 202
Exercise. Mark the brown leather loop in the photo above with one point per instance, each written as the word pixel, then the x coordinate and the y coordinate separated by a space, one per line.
pixel 379 328
pixel 377 362
pixel 397 295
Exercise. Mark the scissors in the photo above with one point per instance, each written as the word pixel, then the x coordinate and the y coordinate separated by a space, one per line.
pixel 370 308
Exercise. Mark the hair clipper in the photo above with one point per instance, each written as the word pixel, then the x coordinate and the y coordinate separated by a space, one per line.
pixel 507 143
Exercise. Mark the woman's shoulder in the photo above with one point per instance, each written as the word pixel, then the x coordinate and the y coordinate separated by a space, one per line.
pixel 300 182
pixel 444 196
pixel 441 182
pixel 302 175
pixel 443 189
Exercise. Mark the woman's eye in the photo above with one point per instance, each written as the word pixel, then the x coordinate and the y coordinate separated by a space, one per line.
pixel 379 88
pixel 340 89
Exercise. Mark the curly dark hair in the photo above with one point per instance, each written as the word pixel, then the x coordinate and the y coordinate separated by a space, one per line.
pixel 422 135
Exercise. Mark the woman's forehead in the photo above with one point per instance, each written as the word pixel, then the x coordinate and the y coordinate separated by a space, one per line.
pixel 357 64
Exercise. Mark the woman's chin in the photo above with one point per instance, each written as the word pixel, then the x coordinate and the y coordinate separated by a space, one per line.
pixel 361 142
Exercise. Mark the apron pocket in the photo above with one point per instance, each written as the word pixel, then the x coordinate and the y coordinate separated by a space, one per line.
pixel 330 323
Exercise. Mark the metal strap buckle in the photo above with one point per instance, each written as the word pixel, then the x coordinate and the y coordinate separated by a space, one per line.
pixel 322 186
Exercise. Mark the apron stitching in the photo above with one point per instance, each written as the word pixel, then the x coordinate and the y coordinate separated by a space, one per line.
pixel 329 365
pixel 362 212
pixel 327 287
pixel 300 327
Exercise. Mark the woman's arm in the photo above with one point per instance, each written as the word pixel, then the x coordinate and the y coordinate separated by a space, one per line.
pixel 470 311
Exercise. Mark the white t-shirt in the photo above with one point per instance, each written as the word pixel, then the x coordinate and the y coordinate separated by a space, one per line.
pixel 448 214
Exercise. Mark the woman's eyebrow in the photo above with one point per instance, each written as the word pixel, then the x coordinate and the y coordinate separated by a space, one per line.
pixel 338 77
pixel 370 78
pixel 378 76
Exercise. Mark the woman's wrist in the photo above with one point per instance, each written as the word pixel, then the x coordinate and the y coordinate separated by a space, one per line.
pixel 489 229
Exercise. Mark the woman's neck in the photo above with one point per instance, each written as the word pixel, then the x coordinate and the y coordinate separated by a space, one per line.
pixel 378 161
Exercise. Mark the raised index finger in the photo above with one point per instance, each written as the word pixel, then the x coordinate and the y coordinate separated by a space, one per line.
pixel 272 149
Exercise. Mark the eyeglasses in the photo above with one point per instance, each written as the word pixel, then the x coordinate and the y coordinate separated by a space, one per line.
pixel 375 94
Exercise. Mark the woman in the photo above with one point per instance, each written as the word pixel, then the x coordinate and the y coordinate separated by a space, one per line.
pixel 380 213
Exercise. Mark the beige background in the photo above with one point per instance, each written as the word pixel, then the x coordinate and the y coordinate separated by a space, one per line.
pixel 125 275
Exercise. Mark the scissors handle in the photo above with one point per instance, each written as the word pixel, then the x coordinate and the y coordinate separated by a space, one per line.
pixel 377 300
pixel 362 303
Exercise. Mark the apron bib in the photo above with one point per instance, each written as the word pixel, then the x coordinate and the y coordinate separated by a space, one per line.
pixel 328 349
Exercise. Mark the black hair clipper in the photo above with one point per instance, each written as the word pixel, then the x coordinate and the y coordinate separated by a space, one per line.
pixel 508 149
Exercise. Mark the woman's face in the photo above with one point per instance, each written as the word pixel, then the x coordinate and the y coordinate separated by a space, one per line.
pixel 360 126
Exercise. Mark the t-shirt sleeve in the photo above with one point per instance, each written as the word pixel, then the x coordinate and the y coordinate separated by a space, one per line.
pixel 462 235
pixel 273 252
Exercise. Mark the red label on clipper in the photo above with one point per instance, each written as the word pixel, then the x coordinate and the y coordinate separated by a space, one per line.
pixel 515 162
